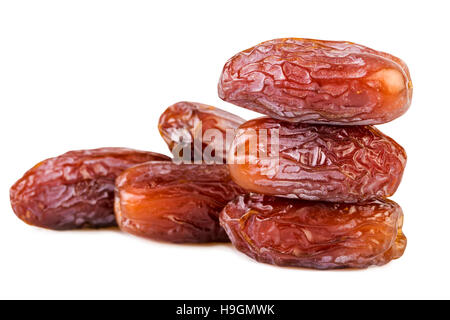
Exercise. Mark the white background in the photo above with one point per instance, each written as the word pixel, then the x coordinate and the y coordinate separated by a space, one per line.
pixel 87 74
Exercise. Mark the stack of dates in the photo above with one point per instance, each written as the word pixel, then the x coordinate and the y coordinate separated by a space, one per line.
pixel 305 187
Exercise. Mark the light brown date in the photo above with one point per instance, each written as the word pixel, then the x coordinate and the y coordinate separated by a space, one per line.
pixel 316 162
pixel 321 235
pixel 175 203
pixel 76 189
pixel 316 81
pixel 198 128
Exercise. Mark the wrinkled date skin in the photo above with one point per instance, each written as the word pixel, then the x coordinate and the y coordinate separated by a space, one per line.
pixel 321 235
pixel 174 203
pixel 317 162
pixel 315 81
pixel 76 189
pixel 183 121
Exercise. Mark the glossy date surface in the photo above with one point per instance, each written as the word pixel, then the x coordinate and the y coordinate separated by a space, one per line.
pixel 321 235
pixel 174 203
pixel 182 122
pixel 76 189
pixel 316 162
pixel 316 81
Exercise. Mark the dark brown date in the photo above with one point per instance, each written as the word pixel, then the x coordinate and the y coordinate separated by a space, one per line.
pixel 321 235
pixel 316 162
pixel 316 81
pixel 185 122
pixel 174 202
pixel 76 189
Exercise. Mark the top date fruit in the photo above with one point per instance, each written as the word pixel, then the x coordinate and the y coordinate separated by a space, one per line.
pixel 316 81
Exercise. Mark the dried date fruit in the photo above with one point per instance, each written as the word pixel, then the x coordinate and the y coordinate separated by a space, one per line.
pixel 316 81
pixel 321 235
pixel 200 128
pixel 76 189
pixel 316 162
pixel 174 202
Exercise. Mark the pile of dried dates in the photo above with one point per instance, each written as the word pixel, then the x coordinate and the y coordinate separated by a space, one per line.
pixel 306 186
